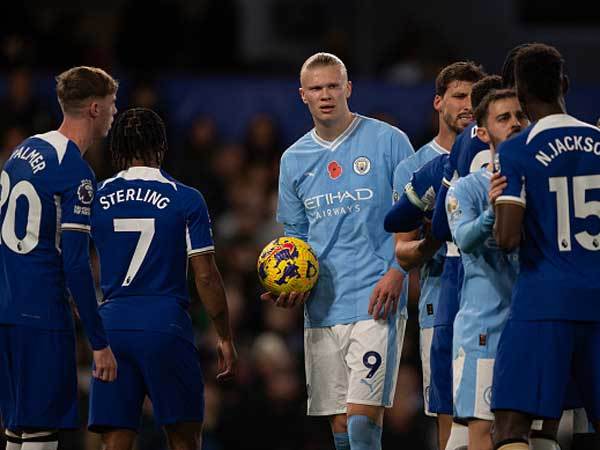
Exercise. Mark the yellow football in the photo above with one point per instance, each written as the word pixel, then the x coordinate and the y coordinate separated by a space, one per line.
pixel 287 264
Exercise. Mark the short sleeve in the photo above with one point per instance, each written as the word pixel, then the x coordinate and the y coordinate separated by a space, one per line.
pixel 290 209
pixel 514 193
pixel 198 228
pixel 425 183
pixel 401 146
pixel 77 196
pixel 402 176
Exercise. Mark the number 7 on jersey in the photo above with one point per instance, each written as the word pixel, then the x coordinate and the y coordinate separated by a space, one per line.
pixel 146 229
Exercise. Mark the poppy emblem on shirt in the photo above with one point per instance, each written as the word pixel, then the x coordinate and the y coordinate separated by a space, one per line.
pixel 334 169
pixel 362 165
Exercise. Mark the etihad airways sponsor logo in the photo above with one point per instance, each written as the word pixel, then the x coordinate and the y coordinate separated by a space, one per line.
pixel 338 203
pixel 336 198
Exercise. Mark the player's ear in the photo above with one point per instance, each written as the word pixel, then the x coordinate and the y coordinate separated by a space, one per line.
pixel 302 95
pixel 94 109
pixel 437 102
pixel 348 89
pixel 482 133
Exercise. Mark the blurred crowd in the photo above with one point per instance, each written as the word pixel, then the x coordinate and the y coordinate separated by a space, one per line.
pixel 265 407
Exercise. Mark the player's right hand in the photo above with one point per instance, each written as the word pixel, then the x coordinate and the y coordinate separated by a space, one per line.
pixel 228 358
pixel 497 185
pixel 286 300
pixel 105 365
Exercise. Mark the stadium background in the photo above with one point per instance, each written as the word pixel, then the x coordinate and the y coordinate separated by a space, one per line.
pixel 223 75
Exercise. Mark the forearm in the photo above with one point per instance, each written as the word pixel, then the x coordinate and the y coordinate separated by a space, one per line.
pixel 212 293
pixel 471 235
pixel 79 280
pixel 412 254
pixel 507 230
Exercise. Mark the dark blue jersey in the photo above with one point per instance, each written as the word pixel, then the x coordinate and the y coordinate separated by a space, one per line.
pixel 46 188
pixel 468 155
pixel 553 171
pixel 145 226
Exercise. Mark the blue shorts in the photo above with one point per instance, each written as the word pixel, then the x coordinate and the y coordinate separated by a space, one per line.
pixel 38 379
pixel 536 360
pixel 162 366
pixel 440 391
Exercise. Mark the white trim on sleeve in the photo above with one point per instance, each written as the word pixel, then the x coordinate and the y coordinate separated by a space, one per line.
pixel 76 227
pixel 198 251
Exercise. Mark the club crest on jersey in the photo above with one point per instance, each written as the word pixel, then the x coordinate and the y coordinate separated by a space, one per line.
pixel 334 170
pixel 395 196
pixel 85 192
pixel 362 165
pixel 452 207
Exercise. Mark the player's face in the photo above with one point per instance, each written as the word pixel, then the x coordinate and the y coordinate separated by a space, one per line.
pixel 505 119
pixel 325 90
pixel 106 110
pixel 455 105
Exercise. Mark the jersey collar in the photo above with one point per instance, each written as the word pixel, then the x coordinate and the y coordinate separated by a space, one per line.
pixel 555 121
pixel 332 145
pixel 438 148
pixel 141 173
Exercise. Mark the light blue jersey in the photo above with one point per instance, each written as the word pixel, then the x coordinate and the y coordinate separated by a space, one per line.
pixel 489 272
pixel 335 195
pixel 431 271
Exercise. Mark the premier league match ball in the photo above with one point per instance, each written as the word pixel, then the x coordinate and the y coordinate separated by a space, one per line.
pixel 286 265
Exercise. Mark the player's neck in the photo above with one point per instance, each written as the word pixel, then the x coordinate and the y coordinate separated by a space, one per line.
pixel 142 163
pixel 445 137
pixel 538 110
pixel 331 131
pixel 77 131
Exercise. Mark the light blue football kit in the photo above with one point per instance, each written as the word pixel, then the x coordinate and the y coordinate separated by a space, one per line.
pixel 415 203
pixel 431 271
pixel 45 200
pixel 489 276
pixel 335 196
pixel 145 226
pixel 553 172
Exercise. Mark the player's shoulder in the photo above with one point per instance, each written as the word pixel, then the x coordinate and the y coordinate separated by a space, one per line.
pixel 555 125
pixel 468 142
pixel 62 154
pixel 185 191
pixel 514 145
pixel 470 183
pixel 380 127
pixel 140 174
pixel 305 144
pixel 422 156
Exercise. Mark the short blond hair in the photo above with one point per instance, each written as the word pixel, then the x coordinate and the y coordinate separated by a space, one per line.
pixel 78 84
pixel 323 59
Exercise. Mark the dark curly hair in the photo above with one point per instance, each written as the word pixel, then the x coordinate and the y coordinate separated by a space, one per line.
pixel 138 133
pixel 539 72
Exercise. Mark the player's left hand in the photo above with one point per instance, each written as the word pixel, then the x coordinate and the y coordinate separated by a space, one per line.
pixel 385 296
pixel 497 185
pixel 227 359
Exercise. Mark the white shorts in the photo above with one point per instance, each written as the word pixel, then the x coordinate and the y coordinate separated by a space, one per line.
pixel 472 385
pixel 425 339
pixel 352 363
